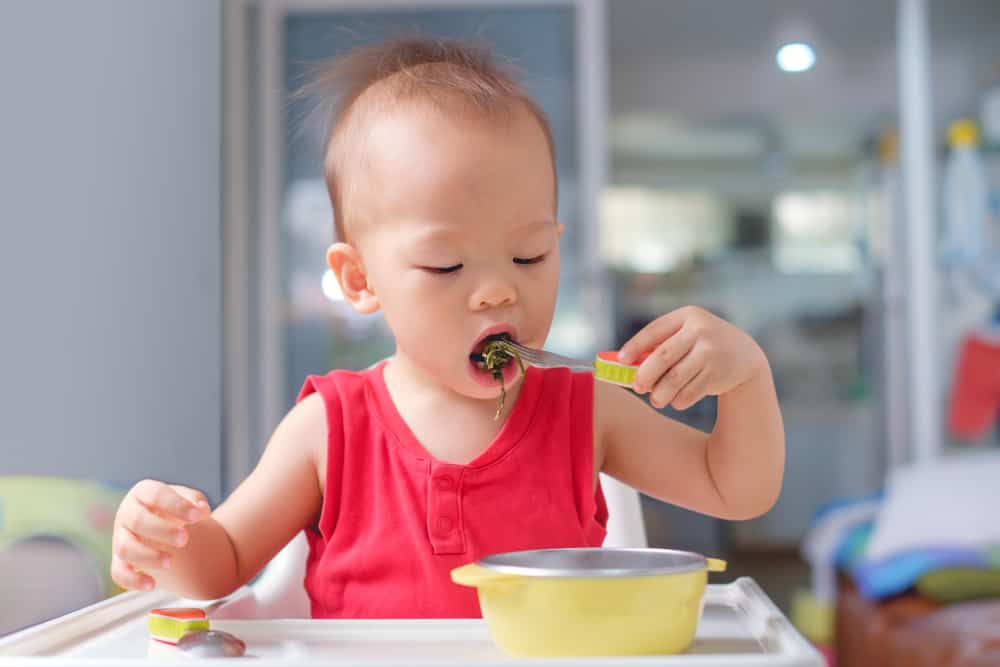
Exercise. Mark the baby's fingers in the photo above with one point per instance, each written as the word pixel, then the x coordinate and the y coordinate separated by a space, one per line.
pixel 674 381
pixel 650 335
pixel 128 577
pixel 165 500
pixel 695 390
pixel 197 499
pixel 664 358
pixel 138 553
pixel 150 527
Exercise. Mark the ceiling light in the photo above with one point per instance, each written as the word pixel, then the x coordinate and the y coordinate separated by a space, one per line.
pixel 796 57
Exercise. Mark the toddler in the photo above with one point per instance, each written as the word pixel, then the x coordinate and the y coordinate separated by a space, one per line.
pixel 441 171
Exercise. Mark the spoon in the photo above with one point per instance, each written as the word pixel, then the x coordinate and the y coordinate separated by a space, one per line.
pixel 211 644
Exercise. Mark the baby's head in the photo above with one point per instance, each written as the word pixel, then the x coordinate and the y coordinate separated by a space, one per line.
pixel 441 172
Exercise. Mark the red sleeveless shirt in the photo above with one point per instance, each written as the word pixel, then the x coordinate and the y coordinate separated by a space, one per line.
pixel 395 521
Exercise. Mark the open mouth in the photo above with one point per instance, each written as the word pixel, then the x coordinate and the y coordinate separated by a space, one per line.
pixel 478 357
pixel 493 355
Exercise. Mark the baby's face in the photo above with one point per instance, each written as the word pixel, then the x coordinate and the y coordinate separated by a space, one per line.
pixel 460 238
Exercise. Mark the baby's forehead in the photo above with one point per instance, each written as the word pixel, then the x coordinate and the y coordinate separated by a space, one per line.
pixel 379 130
pixel 391 148
pixel 424 143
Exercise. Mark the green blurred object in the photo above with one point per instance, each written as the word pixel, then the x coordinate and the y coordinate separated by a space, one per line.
pixel 858 388
pixel 77 511
pixel 813 617
pixel 960 583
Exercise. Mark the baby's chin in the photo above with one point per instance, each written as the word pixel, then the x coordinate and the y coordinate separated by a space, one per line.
pixel 485 380
pixel 472 381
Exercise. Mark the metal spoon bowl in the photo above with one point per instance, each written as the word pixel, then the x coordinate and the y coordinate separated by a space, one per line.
pixel 211 644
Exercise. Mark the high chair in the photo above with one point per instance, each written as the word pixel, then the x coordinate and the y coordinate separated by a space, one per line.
pixel 279 592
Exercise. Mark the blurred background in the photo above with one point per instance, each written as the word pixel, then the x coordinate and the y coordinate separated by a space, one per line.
pixel 793 166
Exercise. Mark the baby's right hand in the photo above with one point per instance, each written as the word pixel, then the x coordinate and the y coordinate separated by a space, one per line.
pixel 150 526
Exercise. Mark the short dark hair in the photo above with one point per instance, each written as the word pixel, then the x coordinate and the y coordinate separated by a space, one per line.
pixel 444 72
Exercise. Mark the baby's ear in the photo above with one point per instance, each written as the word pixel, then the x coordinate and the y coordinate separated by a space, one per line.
pixel 345 262
pixel 559 229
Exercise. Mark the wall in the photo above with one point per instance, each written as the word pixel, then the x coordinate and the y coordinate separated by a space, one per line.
pixel 110 240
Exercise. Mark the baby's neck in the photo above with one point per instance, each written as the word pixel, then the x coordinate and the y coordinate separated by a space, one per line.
pixel 451 427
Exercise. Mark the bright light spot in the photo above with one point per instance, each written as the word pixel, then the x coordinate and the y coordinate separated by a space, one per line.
pixel 331 288
pixel 652 258
pixel 796 57
pixel 571 334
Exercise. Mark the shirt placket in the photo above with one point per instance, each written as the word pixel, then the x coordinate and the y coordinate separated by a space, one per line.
pixel 444 509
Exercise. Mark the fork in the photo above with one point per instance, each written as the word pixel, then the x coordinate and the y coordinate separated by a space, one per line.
pixel 604 367
pixel 545 359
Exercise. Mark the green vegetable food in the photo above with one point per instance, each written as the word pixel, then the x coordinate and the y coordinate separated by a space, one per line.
pixel 497 353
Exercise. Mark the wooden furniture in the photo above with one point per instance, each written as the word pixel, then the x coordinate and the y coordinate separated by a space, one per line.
pixel 911 631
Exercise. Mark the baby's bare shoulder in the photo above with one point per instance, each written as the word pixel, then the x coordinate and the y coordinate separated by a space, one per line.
pixel 311 407
pixel 305 425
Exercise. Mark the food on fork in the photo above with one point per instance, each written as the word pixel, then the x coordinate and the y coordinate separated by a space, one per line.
pixel 497 353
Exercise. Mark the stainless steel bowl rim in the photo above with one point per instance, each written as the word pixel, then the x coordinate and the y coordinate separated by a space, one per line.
pixel 594 562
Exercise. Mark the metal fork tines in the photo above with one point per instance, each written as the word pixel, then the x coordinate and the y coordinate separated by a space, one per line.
pixel 543 359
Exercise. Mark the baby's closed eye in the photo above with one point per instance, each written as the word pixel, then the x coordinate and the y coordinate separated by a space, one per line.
pixel 442 269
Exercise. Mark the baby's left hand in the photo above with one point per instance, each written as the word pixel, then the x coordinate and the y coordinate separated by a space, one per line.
pixel 692 354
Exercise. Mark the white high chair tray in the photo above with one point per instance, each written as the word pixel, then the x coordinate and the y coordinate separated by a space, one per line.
pixel 739 626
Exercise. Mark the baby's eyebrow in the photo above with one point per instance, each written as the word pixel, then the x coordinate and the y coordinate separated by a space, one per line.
pixel 534 225
pixel 443 233
pixel 436 233
pixel 433 239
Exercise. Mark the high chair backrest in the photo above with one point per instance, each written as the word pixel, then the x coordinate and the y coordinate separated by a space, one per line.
pixel 279 591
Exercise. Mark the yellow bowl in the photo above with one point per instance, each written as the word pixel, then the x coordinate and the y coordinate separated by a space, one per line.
pixel 531 614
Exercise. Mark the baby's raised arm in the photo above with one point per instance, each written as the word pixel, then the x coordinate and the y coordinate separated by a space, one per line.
pixel 164 534
pixel 734 472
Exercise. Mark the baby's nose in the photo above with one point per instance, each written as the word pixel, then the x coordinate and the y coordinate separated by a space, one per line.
pixel 493 295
